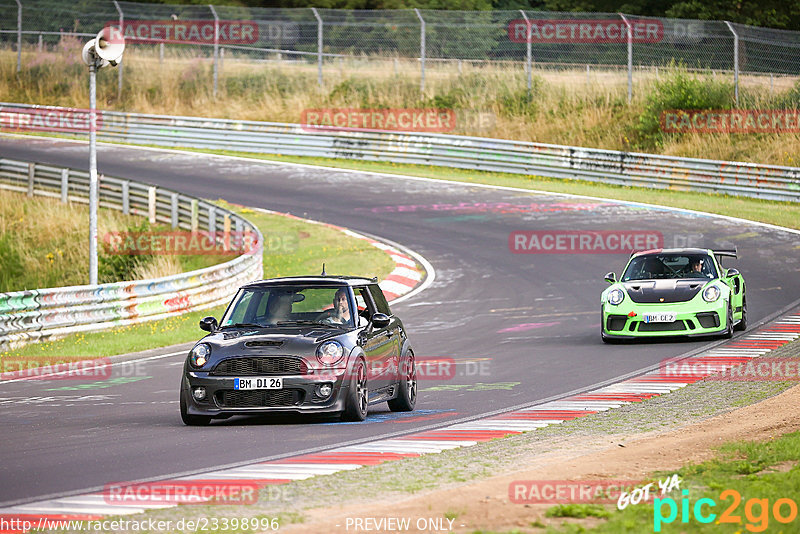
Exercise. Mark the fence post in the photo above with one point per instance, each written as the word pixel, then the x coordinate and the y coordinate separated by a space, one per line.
pixel 31 173
pixel 161 54
pixel 41 43
pixel 120 64
pixel 226 232
pixel 421 49
pixel 319 45
pixel 528 66
pixel 151 204
pixel 630 56
pixel 126 197
pixel 194 215
pixel 19 36
pixel 735 63
pixel 216 48
pixel 174 210
pixel 64 185
pixel 212 221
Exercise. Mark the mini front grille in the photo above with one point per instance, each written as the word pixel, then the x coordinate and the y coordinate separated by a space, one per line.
pixel 260 366
pixel 258 398
pixel 662 327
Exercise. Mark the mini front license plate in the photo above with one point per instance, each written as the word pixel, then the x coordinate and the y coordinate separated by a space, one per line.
pixel 666 317
pixel 268 382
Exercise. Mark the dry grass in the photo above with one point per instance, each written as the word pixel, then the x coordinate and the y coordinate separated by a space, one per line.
pixel 565 107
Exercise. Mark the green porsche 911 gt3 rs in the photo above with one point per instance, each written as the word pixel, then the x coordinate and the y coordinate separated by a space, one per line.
pixel 674 292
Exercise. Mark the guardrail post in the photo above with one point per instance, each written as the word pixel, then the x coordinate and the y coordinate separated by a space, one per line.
pixel 31 173
pixel 174 210
pixel 64 185
pixel 421 50
pixel 735 63
pixel 630 56
pixel 41 43
pixel 126 198
pixel 195 217
pixel 319 45
pixel 226 232
pixel 528 66
pixel 19 36
pixel 216 47
pixel 120 64
pixel 151 204
pixel 212 221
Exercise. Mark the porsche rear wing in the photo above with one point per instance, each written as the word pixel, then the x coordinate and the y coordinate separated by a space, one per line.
pixel 730 252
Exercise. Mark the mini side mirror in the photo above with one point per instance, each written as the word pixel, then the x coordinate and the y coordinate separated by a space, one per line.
pixel 380 320
pixel 732 272
pixel 611 278
pixel 209 324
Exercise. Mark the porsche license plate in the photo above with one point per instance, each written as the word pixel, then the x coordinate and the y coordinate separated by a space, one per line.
pixel 257 382
pixel 664 317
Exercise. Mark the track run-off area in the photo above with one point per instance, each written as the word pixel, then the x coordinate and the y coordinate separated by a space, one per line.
pixel 521 328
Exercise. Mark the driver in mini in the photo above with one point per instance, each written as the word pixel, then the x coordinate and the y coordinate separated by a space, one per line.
pixel 340 313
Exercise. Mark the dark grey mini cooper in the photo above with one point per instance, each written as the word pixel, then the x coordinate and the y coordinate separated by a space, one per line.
pixel 316 344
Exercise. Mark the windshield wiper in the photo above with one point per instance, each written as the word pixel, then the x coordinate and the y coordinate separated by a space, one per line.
pixel 306 322
pixel 243 325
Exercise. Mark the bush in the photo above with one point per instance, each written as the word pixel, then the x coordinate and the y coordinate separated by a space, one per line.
pixel 121 267
pixel 678 89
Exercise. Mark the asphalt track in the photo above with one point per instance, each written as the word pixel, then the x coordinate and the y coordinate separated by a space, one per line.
pixel 531 319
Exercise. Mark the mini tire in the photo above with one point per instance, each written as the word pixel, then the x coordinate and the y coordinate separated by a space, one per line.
pixel 356 402
pixel 407 388
pixel 189 419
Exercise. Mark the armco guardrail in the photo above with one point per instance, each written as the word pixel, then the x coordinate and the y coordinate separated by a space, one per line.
pixel 606 166
pixel 39 314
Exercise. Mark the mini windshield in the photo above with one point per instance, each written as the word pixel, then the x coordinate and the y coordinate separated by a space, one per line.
pixel 289 305
pixel 668 266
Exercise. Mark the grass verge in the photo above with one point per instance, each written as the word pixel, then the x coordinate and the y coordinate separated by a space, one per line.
pixel 292 247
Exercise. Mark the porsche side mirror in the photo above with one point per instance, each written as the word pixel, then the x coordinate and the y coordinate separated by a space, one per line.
pixel 611 278
pixel 732 272
pixel 209 324
pixel 380 320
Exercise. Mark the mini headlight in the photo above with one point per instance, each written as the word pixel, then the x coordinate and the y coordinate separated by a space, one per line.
pixel 711 293
pixel 615 296
pixel 330 352
pixel 198 357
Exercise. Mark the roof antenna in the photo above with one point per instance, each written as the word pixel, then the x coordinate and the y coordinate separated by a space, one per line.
pixel 323 270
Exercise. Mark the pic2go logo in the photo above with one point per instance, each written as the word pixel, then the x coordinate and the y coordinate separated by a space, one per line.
pixel 756 511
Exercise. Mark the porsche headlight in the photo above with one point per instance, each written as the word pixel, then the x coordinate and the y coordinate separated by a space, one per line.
pixel 615 296
pixel 330 352
pixel 711 293
pixel 198 357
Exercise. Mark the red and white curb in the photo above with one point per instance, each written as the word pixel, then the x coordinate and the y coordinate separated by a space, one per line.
pixel 351 457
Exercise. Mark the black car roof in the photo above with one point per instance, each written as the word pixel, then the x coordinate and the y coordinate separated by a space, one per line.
pixel 314 280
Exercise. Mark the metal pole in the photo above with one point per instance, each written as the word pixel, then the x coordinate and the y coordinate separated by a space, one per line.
pixel 630 56
pixel 216 47
pixel 528 66
pixel 735 63
pixel 122 31
pixel 93 174
pixel 421 49
pixel 19 36
pixel 319 45
pixel 160 54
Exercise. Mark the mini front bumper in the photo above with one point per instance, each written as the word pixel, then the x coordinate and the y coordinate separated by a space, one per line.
pixel 626 321
pixel 299 394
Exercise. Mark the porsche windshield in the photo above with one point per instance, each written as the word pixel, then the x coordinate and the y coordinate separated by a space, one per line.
pixel 289 305
pixel 668 266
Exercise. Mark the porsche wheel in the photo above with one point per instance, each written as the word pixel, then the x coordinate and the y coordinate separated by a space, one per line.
pixel 356 402
pixel 742 324
pixel 729 330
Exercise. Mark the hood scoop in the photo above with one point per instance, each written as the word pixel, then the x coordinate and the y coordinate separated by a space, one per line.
pixel 256 344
